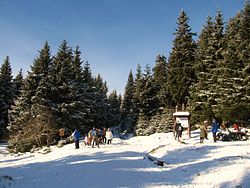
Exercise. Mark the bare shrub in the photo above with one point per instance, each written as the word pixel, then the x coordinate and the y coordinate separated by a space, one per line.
pixel 38 128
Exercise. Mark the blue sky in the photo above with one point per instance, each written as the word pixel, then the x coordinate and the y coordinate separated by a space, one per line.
pixel 113 35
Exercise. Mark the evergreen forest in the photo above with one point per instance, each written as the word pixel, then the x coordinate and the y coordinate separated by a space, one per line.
pixel 209 76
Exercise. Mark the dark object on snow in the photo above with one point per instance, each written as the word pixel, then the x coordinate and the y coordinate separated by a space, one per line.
pixel 155 160
pixel 225 137
pixel 231 136
pixel 159 163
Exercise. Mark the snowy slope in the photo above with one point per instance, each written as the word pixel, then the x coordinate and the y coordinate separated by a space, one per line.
pixel 124 164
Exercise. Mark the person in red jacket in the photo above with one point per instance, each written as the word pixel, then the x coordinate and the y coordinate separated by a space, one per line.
pixel 236 127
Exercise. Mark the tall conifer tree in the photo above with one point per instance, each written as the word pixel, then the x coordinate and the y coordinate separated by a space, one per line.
pixel 18 83
pixel 138 90
pixel 64 87
pixel 100 109
pixel 128 105
pixel 114 108
pixel 34 93
pixel 204 95
pixel 128 98
pixel 245 45
pixel 160 78
pixel 88 95
pixel 6 94
pixel 149 100
pixel 78 86
pixel 181 72
pixel 234 80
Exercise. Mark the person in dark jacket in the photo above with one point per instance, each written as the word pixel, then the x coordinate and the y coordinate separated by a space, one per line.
pixel 179 130
pixel 76 136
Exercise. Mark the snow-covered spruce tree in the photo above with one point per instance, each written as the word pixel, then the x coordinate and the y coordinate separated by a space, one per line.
pixel 235 78
pixel 34 95
pixel 65 88
pixel 87 74
pixel 39 77
pixel 87 93
pixel 114 102
pixel 138 91
pixel 34 86
pixel 80 107
pixel 100 109
pixel 231 76
pixel 128 97
pixel 218 43
pixel 18 83
pixel 205 95
pixel 160 78
pixel 149 103
pixel 6 95
pixel 149 99
pixel 245 46
pixel 181 61
pixel 94 98
pixel 128 105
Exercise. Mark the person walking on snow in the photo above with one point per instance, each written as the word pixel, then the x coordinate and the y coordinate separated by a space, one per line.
pixel 203 131
pixel 94 137
pixel 215 127
pixel 76 136
pixel 109 136
pixel 86 140
pixel 179 130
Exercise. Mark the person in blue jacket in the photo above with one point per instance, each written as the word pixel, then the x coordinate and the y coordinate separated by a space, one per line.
pixel 215 127
pixel 76 136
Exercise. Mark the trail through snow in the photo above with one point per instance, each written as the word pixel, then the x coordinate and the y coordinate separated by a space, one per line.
pixel 123 164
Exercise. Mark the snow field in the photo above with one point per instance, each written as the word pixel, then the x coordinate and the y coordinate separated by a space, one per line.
pixel 123 164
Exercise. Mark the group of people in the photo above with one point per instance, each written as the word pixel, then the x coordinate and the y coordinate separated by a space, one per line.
pixel 223 132
pixel 98 136
pixel 204 132
pixel 95 137
pixel 234 132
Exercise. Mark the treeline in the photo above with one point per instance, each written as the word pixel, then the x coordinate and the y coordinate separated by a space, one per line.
pixel 56 93
pixel 209 76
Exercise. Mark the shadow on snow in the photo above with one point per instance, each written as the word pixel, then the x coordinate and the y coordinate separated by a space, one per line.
pixel 125 169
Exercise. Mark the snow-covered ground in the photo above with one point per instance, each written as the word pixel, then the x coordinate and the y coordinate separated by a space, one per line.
pixel 125 164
